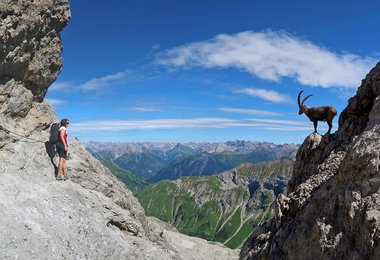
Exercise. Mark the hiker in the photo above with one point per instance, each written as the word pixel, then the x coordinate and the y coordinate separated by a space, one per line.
pixel 62 149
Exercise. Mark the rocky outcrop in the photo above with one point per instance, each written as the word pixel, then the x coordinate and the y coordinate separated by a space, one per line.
pixel 30 60
pixel 332 206
pixel 90 216
pixel 30 46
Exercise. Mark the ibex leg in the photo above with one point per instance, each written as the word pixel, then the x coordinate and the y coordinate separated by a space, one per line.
pixel 330 126
pixel 315 126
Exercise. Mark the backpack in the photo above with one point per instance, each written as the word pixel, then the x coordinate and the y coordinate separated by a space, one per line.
pixel 54 133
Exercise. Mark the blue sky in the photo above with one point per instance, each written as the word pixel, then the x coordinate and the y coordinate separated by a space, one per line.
pixel 149 70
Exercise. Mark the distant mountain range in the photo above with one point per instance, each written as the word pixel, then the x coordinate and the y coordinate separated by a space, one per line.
pixel 224 207
pixel 153 162
pixel 114 150
pixel 209 163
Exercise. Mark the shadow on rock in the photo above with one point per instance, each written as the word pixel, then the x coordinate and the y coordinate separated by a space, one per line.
pixel 50 150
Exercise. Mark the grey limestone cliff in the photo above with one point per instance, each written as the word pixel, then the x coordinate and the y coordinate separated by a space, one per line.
pixel 90 216
pixel 30 60
pixel 332 206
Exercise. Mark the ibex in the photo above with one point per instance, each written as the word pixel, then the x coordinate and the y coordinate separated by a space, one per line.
pixel 316 114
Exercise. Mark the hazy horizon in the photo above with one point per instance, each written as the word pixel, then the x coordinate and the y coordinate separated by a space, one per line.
pixel 174 142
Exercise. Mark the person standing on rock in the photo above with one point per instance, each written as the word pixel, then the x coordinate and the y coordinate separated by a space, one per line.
pixel 62 148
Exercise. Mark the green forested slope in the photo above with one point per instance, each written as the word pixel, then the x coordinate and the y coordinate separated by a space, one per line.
pixel 224 207
pixel 133 182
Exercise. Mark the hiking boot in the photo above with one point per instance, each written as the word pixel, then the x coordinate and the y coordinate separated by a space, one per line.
pixel 59 178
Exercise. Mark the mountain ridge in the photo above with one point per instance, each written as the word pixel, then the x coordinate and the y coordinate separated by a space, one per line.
pixel 205 163
pixel 153 162
pixel 240 146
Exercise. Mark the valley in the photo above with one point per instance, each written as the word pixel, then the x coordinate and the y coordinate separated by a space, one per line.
pixel 224 207
pixel 215 191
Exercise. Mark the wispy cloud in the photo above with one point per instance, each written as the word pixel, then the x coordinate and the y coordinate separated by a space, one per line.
pixel 146 109
pixel 62 86
pixel 249 111
pixel 156 46
pixel 102 82
pixel 98 83
pixel 141 109
pixel 187 123
pixel 272 55
pixel 265 94
pixel 278 122
pixel 56 102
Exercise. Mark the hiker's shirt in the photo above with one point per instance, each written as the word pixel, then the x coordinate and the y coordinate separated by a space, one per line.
pixel 64 135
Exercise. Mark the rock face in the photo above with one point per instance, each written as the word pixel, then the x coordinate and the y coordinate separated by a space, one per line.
pixel 332 206
pixel 30 60
pixel 30 46
pixel 90 216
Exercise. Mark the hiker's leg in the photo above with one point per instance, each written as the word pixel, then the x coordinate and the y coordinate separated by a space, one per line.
pixel 60 166
pixel 64 168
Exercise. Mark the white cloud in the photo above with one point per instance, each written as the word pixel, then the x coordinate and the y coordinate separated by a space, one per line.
pixel 141 109
pixel 272 55
pixel 268 95
pixel 146 109
pixel 187 123
pixel 99 83
pixel 61 86
pixel 56 102
pixel 249 111
pixel 92 84
pixel 121 125
pixel 156 46
pixel 279 122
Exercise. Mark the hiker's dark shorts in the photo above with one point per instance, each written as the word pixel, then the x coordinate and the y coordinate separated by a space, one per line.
pixel 61 150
